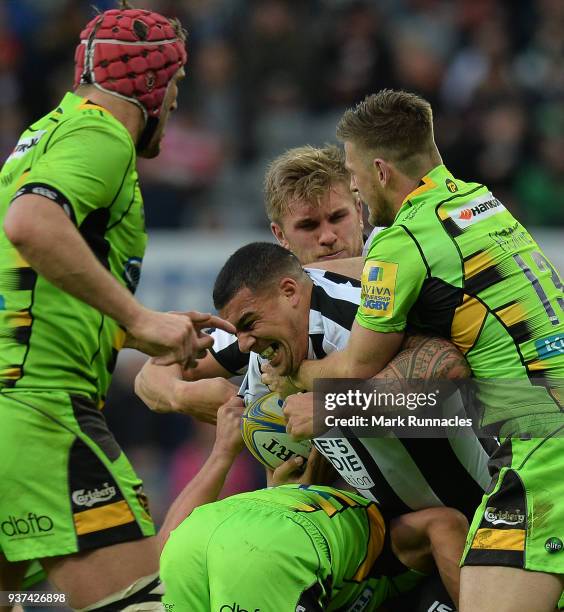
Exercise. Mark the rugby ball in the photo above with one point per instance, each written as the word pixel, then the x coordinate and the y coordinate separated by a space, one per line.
pixel 264 432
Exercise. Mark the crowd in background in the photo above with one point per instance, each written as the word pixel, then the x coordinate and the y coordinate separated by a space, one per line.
pixel 267 75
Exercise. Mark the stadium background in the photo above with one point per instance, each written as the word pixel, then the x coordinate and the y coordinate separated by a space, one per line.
pixel 267 75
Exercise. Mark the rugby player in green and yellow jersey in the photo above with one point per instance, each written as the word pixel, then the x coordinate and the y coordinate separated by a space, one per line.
pixel 294 548
pixel 454 261
pixel 72 240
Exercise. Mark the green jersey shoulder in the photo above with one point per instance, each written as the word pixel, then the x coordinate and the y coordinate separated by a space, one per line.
pixel 458 264
pixel 83 159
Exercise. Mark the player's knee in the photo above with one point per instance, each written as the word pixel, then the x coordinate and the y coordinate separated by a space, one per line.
pixel 453 520
pixel 448 521
pixel 145 594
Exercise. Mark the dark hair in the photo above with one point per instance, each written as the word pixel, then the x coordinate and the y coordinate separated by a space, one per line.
pixel 257 266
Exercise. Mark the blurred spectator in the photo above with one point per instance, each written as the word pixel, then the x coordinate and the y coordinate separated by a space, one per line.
pixel 352 56
pixel 266 75
pixel 540 184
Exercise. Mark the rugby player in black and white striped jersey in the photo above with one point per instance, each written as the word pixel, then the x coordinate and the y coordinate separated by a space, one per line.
pixel 284 315
pixel 314 214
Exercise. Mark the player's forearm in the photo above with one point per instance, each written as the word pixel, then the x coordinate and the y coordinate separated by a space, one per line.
pixel 432 358
pixel 157 386
pixel 204 488
pixel 310 370
pixel 163 390
pixel 336 365
pixel 49 242
pixel 201 399
pixel 340 364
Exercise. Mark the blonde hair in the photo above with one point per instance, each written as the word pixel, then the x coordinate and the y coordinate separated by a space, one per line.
pixel 304 173
pixel 396 124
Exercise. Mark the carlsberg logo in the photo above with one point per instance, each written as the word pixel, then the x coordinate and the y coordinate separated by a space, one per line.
pixel 503 517
pixel 93 496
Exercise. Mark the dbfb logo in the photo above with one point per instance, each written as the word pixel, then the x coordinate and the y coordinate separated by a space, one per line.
pixel 30 525
pixel 236 608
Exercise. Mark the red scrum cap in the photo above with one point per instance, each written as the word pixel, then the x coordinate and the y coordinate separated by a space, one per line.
pixel 131 53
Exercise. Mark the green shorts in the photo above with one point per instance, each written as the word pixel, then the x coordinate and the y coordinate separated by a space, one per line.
pixel 65 484
pixel 250 555
pixel 520 523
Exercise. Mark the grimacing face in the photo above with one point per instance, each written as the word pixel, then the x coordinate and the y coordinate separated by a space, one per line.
pixel 272 323
pixel 170 104
pixel 364 179
pixel 330 229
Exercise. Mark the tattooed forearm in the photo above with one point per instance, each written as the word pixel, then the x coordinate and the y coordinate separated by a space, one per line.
pixel 427 358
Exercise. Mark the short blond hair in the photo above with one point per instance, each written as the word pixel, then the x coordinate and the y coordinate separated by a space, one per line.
pixel 397 124
pixel 304 173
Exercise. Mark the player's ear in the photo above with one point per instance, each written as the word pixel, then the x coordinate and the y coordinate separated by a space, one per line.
pixel 358 209
pixel 289 288
pixel 383 171
pixel 278 233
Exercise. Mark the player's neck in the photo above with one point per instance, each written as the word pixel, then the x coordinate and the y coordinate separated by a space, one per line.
pixel 407 184
pixel 127 113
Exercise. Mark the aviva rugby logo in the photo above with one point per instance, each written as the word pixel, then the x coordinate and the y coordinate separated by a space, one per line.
pixel 378 288
pixel 376 274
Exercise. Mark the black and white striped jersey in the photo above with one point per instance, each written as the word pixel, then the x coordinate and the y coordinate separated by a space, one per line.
pixel 225 351
pixel 401 474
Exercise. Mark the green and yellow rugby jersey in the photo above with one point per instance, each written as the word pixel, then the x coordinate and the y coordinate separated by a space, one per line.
pixel 458 264
pixel 83 159
pixel 351 525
